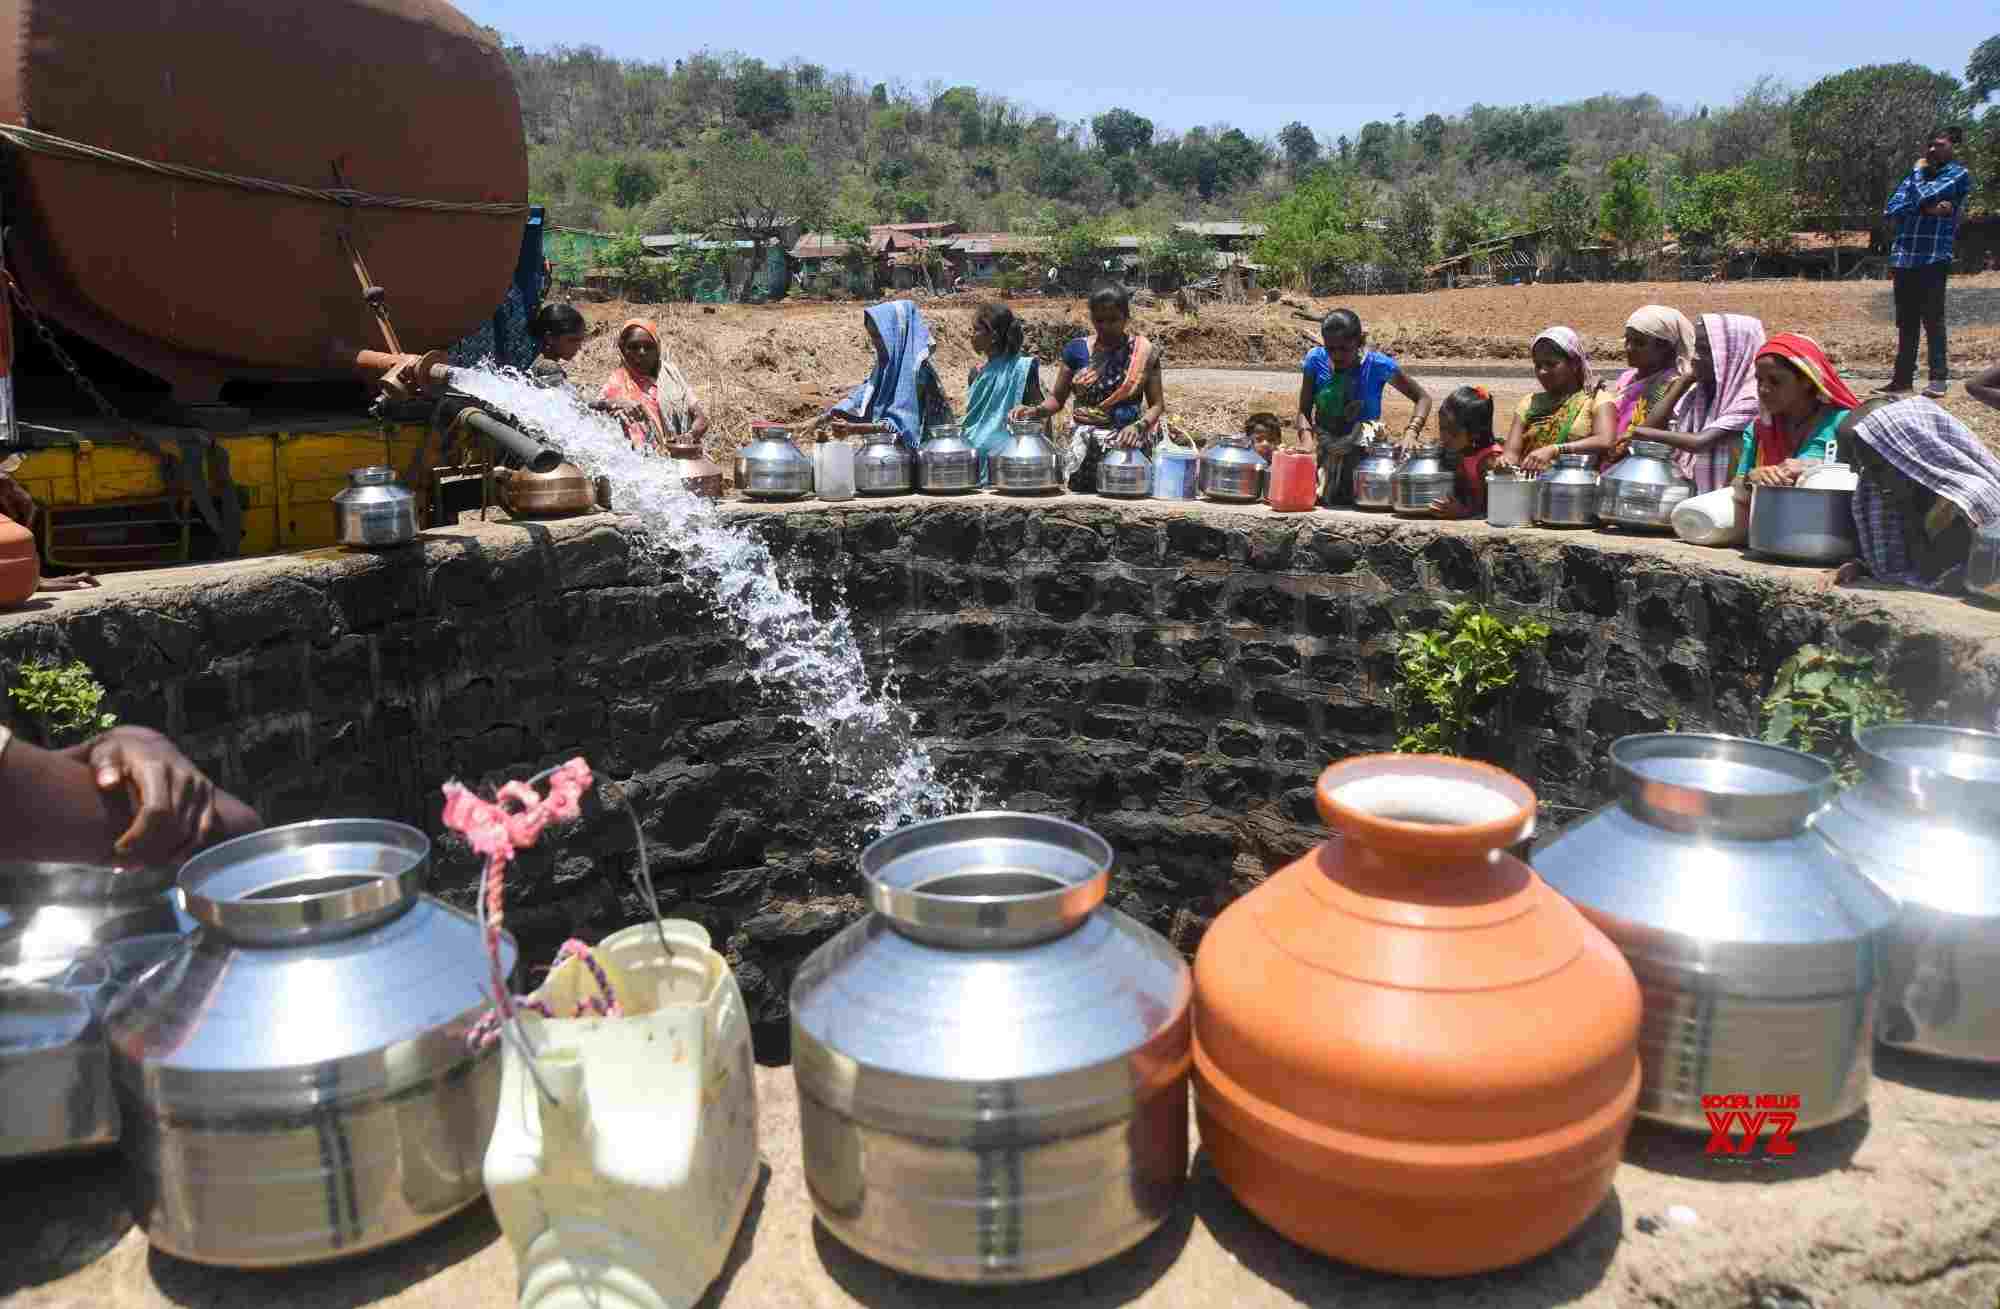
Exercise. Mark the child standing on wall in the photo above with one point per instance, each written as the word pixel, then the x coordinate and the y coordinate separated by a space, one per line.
pixel 1465 426
pixel 1340 388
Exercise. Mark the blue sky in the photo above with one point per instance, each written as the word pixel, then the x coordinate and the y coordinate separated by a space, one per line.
pixel 1260 64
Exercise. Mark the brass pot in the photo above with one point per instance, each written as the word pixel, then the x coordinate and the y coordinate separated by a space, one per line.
pixel 566 489
pixel 701 475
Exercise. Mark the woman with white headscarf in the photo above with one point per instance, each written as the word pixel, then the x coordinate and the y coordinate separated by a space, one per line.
pixel 1571 406
pixel 1712 414
pixel 1659 358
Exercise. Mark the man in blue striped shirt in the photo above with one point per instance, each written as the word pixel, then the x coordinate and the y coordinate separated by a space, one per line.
pixel 1926 208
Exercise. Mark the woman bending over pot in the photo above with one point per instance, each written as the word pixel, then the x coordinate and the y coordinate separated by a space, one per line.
pixel 902 393
pixel 1926 485
pixel 649 393
pixel 1114 376
pixel 1708 422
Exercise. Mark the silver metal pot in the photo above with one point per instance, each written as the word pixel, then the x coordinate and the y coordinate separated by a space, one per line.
pixel 1757 945
pixel 1566 495
pixel 1643 489
pixel 992 1067
pixel 296 1084
pixel 1803 524
pixel 1420 479
pixel 883 467
pixel 1982 563
pixel 1126 473
pixel 946 463
pixel 770 467
pixel 1028 464
pixel 1374 474
pixel 58 914
pixel 1232 470
pixel 375 510
pixel 1510 499
pixel 1924 824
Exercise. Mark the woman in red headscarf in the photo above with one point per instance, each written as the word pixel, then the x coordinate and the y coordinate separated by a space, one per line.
pixel 650 394
pixel 1800 402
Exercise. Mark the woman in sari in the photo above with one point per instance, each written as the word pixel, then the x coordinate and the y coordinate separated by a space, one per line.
pixel 1801 400
pixel 1115 376
pixel 1709 421
pixel 649 393
pixel 559 331
pixel 1570 408
pixel 1340 400
pixel 1009 379
pixel 1659 349
pixel 902 393
pixel 1926 485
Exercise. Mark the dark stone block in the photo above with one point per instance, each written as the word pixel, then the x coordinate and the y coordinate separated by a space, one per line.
pixel 878 588
pixel 1072 543
pixel 124 643
pixel 1374 620
pixel 1005 537
pixel 942 533
pixel 871 533
pixel 1356 718
pixel 1043 725
pixel 1569 651
pixel 1300 805
pixel 1267 606
pixel 1539 704
pixel 925 646
pixel 1064 597
pixel 1394 563
pixel 1239 740
pixel 1326 615
pixel 344 672
pixel 1340 667
pixel 990 590
pixel 1516 577
pixel 1180 738
pixel 1614 716
pixel 1128 725
pixel 975 725
pixel 1296 747
pixel 981 642
pixel 816 546
pixel 1086 645
pixel 1155 650
pixel 1124 595
pixel 1589 582
pixel 1138 543
pixel 1866 635
pixel 1206 695
pixel 1454 563
pixel 1331 552
pixel 366 599
pixel 272 683
pixel 1192 539
pixel 1266 659
pixel 1277 707
pixel 1195 597
pixel 937 592
pixel 1687 683
pixel 207 702
pixel 266 750
pixel 1128 689
pixel 1270 548
pixel 1235 786
pixel 418 651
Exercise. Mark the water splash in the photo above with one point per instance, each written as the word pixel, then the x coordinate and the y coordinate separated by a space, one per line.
pixel 861 741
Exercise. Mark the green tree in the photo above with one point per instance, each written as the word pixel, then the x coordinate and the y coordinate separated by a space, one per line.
pixel 1765 214
pixel 1301 147
pixel 1412 238
pixel 633 183
pixel 752 189
pixel 1466 223
pixel 763 96
pixel 1565 210
pixel 1371 152
pixel 1316 229
pixel 960 105
pixel 1982 71
pixel 1627 210
pixel 1430 137
pixel 1122 132
pixel 1854 135
pixel 1704 208
pixel 1177 257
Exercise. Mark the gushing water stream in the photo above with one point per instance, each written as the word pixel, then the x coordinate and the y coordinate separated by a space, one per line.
pixel 861 740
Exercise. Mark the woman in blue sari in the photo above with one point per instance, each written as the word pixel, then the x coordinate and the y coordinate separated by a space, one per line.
pixel 1010 378
pixel 902 394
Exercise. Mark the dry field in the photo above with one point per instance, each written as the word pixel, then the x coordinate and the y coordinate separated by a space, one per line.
pixel 790 361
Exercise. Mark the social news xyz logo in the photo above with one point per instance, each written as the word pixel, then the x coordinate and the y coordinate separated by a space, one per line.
pixel 1736 1121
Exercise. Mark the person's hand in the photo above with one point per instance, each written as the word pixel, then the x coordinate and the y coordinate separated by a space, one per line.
pixel 16 503
pixel 1784 474
pixel 1441 508
pixel 1538 459
pixel 1129 437
pixel 1938 209
pixel 78 582
pixel 1845 575
pixel 173 802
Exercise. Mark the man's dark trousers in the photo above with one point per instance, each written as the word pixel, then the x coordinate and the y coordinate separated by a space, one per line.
pixel 1919 295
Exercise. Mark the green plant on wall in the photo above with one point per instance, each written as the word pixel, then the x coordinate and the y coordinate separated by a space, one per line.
pixel 1820 699
pixel 61 701
pixel 1447 677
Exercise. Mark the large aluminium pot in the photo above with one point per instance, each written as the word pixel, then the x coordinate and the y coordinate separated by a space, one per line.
pixel 770 467
pixel 1422 478
pixel 947 464
pixel 1643 489
pixel 58 914
pixel 1125 473
pixel 1374 471
pixel 375 510
pixel 1924 824
pixel 1801 524
pixel 992 1067
pixel 297 1083
pixel 1567 494
pixel 1757 944
pixel 1231 470
pixel 1410 1054
pixel 407 98
pixel 884 467
pixel 1028 463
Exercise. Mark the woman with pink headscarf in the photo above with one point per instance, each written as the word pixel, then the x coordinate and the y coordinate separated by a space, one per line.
pixel 1659 349
pixel 1571 407
pixel 1712 412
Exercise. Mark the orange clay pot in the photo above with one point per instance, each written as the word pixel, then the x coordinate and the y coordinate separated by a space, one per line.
pixel 20 563
pixel 1409 1053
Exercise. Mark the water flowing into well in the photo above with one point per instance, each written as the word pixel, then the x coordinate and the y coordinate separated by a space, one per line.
pixel 860 738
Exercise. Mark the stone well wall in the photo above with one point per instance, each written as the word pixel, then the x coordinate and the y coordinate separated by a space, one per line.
pixel 1174 676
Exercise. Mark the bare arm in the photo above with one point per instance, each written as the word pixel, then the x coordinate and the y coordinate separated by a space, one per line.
pixel 1058 397
pixel 1156 408
pixel 1985 388
pixel 127 797
pixel 1517 440
pixel 698 428
pixel 1413 391
pixel 1305 420
pixel 1603 435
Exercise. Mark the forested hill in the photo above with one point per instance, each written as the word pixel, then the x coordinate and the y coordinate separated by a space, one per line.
pixel 612 141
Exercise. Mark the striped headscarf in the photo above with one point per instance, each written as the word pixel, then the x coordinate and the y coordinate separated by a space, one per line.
pixel 1929 447
pixel 1734 340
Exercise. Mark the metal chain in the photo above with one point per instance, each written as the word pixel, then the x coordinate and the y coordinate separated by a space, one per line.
pixel 48 338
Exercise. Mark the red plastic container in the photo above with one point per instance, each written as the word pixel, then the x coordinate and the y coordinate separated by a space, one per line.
pixel 20 564
pixel 1409 1053
pixel 1294 480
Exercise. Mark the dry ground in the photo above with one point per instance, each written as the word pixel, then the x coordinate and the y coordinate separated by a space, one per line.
pixel 790 361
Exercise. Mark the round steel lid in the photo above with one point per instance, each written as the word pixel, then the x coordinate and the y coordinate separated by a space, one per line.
pixel 990 879
pixel 306 881
pixel 374 475
pixel 1944 770
pixel 1652 449
pixel 1726 785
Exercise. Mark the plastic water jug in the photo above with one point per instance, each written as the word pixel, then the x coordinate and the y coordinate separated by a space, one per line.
pixel 1294 480
pixel 1711 519
pixel 833 470
pixel 628 1190
pixel 1175 471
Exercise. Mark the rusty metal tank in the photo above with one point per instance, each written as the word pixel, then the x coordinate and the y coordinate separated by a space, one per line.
pixel 201 283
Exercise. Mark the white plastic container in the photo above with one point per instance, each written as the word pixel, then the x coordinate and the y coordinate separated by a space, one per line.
pixel 628 1191
pixel 1711 519
pixel 1175 467
pixel 833 469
